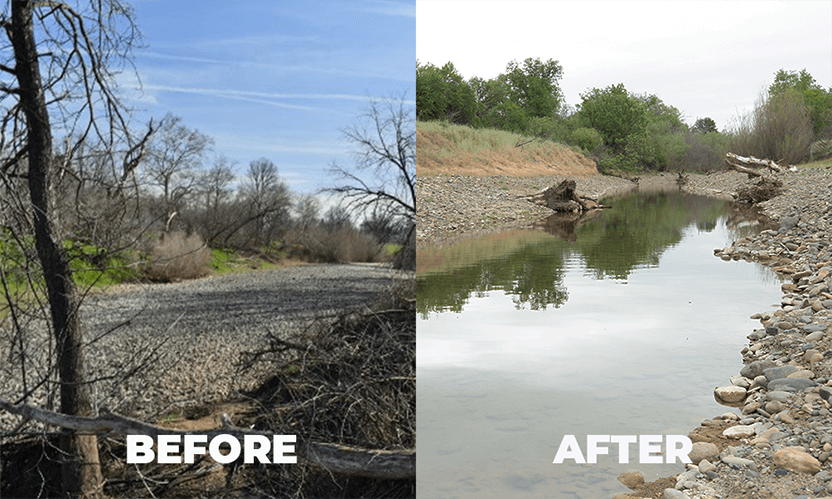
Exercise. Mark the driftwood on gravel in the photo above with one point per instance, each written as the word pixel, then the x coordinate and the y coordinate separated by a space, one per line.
pixel 766 188
pixel 563 198
pixel 338 459
pixel 745 165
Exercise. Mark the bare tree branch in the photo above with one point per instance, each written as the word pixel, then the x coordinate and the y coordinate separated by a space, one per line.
pixel 339 459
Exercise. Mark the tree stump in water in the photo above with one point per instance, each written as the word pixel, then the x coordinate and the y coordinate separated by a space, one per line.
pixel 563 198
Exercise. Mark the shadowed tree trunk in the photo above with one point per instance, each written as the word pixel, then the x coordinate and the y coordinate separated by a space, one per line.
pixel 81 472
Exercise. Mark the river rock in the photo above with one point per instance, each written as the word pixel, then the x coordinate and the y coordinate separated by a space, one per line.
pixel 739 431
pixel 673 494
pixel 796 460
pixel 814 328
pixel 778 395
pixel 631 480
pixel 741 381
pixel 803 373
pixel 786 417
pixel 774 406
pixel 787 223
pixel 703 450
pixel 812 356
pixel 730 394
pixel 760 381
pixel 750 407
pixel 791 384
pixel 779 372
pixel 706 466
pixel 816 336
pixel 739 461
pixel 756 368
pixel 825 393
pixel 772 434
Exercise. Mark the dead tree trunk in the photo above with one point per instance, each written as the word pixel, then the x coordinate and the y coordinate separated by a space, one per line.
pixel 339 459
pixel 767 187
pixel 744 165
pixel 563 198
pixel 81 472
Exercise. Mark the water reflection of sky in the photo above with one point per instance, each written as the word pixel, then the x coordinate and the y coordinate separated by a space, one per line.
pixel 498 386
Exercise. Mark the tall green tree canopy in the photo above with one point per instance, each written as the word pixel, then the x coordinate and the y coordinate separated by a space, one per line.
pixel 614 113
pixel 442 93
pixel 704 125
pixel 534 86
pixel 818 101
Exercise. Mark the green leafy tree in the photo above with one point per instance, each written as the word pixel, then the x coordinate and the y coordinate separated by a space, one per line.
pixel 817 100
pixel 442 93
pixel 664 145
pixel 534 86
pixel 431 101
pixel 614 113
pixel 495 107
pixel 704 125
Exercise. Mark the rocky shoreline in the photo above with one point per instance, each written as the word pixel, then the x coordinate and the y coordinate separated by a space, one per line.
pixel 777 443
pixel 780 444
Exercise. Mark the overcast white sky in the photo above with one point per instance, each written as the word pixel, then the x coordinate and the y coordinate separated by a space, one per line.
pixel 707 58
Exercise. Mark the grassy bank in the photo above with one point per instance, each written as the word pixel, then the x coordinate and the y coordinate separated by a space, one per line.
pixel 445 148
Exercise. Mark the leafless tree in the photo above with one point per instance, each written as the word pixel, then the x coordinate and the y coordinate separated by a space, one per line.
pixel 307 209
pixel 382 182
pixel 267 200
pixel 215 184
pixel 174 156
pixel 59 62
pixel 383 177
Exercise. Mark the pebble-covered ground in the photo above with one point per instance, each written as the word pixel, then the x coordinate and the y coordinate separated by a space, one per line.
pixel 777 441
pixel 159 347
pixel 454 207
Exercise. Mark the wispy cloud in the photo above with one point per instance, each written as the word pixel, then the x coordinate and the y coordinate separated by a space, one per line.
pixel 269 98
pixel 276 67
pixel 404 9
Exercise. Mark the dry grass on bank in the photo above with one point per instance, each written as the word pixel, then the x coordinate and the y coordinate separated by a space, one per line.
pixel 444 148
pixel 177 256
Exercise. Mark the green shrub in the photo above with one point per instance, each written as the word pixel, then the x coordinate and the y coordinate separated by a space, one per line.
pixel 588 139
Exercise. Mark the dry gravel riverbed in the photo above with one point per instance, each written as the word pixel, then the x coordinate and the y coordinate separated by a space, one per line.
pixel 184 340
pixel 780 440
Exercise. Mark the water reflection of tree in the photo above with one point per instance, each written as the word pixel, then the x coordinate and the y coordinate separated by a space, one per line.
pixel 634 234
pixel 532 276
pixel 640 228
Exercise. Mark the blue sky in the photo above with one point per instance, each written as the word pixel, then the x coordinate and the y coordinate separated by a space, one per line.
pixel 270 79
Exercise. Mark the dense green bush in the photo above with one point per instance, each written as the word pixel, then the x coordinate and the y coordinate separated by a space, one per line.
pixel 588 139
pixel 622 130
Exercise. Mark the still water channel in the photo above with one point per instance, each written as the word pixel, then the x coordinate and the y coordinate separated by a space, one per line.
pixel 621 325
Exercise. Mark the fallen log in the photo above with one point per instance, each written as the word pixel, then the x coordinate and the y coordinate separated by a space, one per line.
pixel 563 198
pixel 742 164
pixel 338 459
pixel 766 188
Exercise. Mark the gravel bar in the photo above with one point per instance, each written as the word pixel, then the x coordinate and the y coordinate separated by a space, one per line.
pixel 205 324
